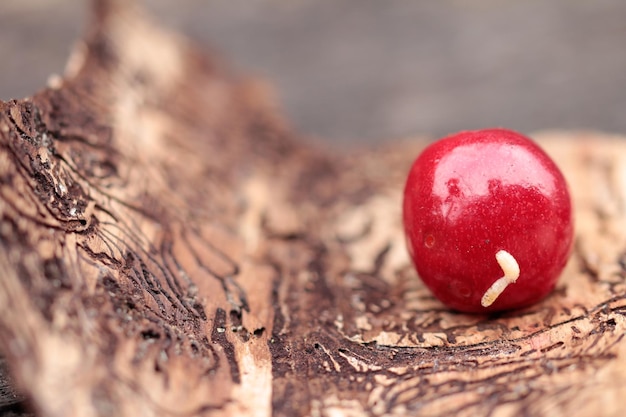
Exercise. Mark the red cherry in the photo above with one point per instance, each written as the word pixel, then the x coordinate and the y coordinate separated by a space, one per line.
pixel 484 205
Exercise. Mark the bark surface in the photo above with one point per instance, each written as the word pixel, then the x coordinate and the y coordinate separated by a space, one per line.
pixel 169 247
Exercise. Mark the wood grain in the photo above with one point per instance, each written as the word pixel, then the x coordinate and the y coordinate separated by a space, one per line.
pixel 170 247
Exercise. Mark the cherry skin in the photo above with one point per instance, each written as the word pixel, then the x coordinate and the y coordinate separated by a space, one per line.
pixel 484 205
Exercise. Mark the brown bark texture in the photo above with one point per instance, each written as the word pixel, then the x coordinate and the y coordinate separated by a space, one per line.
pixel 168 247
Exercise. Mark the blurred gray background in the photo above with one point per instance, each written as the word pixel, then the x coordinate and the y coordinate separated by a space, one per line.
pixel 370 70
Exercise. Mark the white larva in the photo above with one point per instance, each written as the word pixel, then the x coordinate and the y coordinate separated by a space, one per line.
pixel 511 271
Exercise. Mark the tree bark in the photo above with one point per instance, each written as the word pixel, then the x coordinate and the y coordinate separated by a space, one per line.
pixel 169 247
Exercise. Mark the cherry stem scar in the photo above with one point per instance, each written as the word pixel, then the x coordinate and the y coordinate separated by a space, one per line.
pixel 511 272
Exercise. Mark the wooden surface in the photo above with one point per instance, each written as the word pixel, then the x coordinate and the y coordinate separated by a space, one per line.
pixel 170 247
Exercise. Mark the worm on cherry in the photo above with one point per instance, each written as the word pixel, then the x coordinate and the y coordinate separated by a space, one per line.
pixel 511 271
